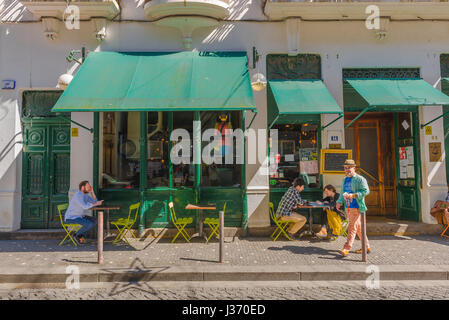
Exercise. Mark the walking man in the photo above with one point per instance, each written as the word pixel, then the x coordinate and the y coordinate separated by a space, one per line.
pixel 354 190
pixel 290 201
pixel 83 200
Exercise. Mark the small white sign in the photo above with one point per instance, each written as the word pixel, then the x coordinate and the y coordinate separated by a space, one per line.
pixel 334 137
pixel 405 125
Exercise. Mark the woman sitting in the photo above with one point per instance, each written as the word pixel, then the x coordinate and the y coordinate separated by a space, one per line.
pixel 330 217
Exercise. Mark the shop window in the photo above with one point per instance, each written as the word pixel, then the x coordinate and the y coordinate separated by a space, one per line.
pixel 120 155
pixel 228 172
pixel 297 155
pixel 184 172
pixel 157 148
pixel 406 150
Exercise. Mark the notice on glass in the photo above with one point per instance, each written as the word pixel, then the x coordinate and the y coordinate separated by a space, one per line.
pixel 403 164
pixel 309 167
pixel 409 154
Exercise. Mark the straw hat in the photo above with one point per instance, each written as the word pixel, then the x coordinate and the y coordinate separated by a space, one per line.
pixel 350 162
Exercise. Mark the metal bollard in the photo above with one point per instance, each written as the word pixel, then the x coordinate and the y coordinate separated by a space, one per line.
pixel 363 227
pixel 100 237
pixel 221 217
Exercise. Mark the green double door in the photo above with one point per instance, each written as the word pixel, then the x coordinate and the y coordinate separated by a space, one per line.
pixel 45 172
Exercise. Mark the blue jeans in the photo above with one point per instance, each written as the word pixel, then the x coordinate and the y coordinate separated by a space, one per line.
pixel 86 221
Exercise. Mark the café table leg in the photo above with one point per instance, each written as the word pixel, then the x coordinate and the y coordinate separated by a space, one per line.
pixel 310 221
pixel 201 223
pixel 100 237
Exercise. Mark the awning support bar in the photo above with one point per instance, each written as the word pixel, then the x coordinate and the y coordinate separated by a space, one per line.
pixel 335 120
pixel 440 116
pixel 358 116
pixel 91 130
pixel 274 121
pixel 254 116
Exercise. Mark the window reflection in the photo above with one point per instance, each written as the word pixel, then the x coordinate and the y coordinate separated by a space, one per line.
pixel 121 150
pixel 297 155
pixel 157 158
pixel 224 175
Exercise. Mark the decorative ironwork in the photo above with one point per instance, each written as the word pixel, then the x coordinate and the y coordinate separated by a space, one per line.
pixel 301 66
pixel 386 73
pixel 35 174
pixel 38 103
pixel 444 63
pixel 62 167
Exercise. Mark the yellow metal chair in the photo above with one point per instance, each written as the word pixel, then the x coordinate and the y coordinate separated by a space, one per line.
pixel 68 227
pixel 214 224
pixel 281 225
pixel 179 223
pixel 124 225
pixel 336 223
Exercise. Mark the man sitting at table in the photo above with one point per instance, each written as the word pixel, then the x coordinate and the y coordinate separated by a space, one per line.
pixel 290 201
pixel 82 200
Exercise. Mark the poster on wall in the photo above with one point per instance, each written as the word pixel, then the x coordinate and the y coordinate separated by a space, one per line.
pixel 309 167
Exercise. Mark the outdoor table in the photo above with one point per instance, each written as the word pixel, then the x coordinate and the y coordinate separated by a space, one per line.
pixel 100 233
pixel 200 207
pixel 310 207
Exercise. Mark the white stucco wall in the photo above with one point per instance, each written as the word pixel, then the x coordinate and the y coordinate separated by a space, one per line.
pixel 33 61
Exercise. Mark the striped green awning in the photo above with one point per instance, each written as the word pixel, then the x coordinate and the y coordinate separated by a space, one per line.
pixel 154 81
pixel 295 99
pixel 398 92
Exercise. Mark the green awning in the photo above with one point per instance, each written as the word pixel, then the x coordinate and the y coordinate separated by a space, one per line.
pixel 154 81
pixel 296 99
pixel 398 92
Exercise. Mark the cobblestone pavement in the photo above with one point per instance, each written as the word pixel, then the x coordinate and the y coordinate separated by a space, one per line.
pixel 394 290
pixel 387 250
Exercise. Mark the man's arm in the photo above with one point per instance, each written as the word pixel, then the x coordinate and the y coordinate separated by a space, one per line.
pixel 364 190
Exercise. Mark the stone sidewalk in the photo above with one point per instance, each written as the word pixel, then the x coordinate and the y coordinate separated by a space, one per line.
pixel 402 257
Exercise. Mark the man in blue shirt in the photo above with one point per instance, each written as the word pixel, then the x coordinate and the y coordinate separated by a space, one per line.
pixel 82 200
pixel 354 190
pixel 290 201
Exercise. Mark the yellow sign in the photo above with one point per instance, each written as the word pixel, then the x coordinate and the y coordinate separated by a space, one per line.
pixel 332 160
pixel 74 132
pixel 428 130
pixel 435 151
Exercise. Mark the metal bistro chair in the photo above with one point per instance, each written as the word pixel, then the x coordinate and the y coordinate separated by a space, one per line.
pixel 68 227
pixel 281 225
pixel 124 225
pixel 214 224
pixel 179 223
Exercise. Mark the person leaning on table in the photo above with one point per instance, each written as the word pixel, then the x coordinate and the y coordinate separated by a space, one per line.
pixel 290 201
pixel 354 189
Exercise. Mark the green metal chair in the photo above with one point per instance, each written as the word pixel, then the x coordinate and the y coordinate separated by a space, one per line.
pixel 179 223
pixel 214 224
pixel 281 225
pixel 124 225
pixel 68 227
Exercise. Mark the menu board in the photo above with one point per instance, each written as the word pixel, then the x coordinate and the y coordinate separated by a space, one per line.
pixel 333 160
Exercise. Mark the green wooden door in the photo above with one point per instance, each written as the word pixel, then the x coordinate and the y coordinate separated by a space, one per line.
pixel 408 165
pixel 45 172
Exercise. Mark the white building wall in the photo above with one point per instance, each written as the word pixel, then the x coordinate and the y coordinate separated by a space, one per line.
pixel 33 61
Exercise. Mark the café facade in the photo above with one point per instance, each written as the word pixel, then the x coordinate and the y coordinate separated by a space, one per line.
pixel 105 102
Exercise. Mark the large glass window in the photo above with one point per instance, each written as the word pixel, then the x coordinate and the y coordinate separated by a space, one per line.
pixel 297 155
pixel 157 147
pixel 184 172
pixel 228 173
pixel 120 155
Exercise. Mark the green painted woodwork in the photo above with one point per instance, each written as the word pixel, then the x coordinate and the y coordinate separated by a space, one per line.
pixel 234 198
pixel 398 92
pixel 45 171
pixel 96 152
pixel 301 66
pixel 444 64
pixel 155 81
pixel 408 198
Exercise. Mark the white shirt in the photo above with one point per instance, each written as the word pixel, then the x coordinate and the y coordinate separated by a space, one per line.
pixel 79 203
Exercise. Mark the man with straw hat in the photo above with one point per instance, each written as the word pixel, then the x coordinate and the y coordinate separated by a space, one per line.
pixel 354 189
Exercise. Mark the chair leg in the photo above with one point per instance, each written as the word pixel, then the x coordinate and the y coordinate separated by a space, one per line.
pixel 180 232
pixel 214 230
pixel 120 234
pixel 443 234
